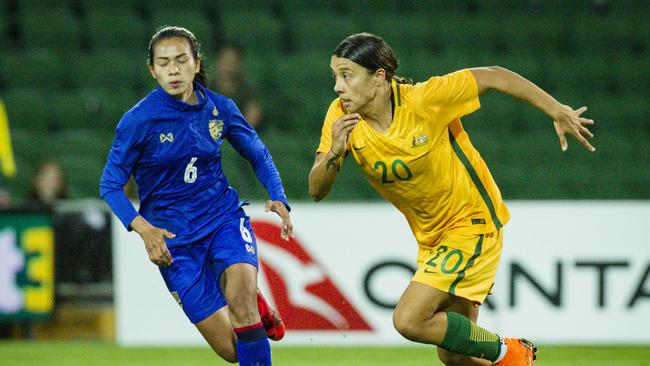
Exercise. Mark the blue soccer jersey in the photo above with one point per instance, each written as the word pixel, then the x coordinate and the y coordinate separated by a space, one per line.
pixel 173 149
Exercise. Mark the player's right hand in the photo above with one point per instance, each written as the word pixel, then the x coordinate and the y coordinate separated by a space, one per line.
pixel 154 242
pixel 341 132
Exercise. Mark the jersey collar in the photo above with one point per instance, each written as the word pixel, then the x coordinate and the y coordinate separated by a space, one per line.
pixel 396 97
pixel 201 96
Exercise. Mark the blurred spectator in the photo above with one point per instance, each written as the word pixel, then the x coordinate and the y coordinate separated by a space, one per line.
pixel 48 184
pixel 230 80
pixel 5 199
pixel 7 163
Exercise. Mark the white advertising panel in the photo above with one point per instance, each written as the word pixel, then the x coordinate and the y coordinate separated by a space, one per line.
pixel 570 272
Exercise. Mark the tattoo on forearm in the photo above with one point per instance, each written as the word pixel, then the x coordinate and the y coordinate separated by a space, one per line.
pixel 333 162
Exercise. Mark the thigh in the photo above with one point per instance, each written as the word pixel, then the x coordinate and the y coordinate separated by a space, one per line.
pixel 192 281
pixel 240 288
pixel 422 301
pixel 234 242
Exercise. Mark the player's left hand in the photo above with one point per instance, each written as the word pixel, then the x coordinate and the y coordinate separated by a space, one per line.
pixel 279 208
pixel 568 121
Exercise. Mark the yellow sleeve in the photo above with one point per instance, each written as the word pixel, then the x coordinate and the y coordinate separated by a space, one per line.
pixel 448 97
pixel 334 112
pixel 7 163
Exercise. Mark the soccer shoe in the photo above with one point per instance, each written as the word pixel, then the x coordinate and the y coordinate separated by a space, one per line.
pixel 520 352
pixel 271 320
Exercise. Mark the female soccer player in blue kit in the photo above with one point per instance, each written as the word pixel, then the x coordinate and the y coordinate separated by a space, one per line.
pixel 191 221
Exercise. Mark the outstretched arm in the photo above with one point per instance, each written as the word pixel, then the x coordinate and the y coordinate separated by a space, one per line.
pixel 566 120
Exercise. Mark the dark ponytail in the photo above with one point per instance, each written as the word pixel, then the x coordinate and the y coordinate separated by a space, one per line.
pixel 172 31
pixel 371 52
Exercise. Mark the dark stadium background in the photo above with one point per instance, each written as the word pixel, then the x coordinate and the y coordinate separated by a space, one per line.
pixel 70 68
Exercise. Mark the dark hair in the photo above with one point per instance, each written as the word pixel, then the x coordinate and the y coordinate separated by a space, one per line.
pixel 371 52
pixel 61 192
pixel 172 31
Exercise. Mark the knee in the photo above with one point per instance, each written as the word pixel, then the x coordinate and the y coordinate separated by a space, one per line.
pixel 451 359
pixel 243 309
pixel 405 325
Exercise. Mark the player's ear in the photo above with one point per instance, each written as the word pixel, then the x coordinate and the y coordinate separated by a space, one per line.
pixel 197 68
pixel 150 67
pixel 380 75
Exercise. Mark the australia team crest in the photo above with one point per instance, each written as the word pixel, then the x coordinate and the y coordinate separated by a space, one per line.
pixel 216 128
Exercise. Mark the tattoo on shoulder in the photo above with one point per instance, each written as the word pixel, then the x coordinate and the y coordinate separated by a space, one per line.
pixel 333 162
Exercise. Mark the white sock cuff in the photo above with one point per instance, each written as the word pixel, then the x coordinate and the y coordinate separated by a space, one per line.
pixel 503 350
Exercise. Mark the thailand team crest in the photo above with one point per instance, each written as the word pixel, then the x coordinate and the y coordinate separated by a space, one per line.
pixel 216 128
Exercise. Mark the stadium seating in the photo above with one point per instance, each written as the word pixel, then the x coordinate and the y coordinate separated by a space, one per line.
pixel 73 81
pixel 35 4
pixel 263 39
pixel 30 109
pixel 192 19
pixel 308 29
pixel 63 31
pixel 115 5
pixel 34 68
pixel 123 30
pixel 109 68
pixel 219 7
pixel 4 26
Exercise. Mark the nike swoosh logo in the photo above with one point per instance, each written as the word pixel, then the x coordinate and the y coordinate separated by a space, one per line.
pixel 358 148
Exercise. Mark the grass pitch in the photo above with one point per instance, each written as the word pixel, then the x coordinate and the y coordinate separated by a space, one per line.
pixel 26 353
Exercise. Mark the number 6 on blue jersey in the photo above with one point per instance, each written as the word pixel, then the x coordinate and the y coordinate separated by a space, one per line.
pixel 191 172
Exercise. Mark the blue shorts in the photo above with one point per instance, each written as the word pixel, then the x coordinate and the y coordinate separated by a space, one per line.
pixel 193 278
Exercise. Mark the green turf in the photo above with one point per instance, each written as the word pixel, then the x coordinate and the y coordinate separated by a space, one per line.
pixel 98 354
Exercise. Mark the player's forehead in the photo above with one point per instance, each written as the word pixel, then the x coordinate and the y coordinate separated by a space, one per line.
pixel 343 64
pixel 172 47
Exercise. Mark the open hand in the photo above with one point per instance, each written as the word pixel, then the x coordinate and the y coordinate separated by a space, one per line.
pixel 569 121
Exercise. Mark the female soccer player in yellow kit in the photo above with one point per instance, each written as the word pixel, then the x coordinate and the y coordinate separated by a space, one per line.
pixel 410 144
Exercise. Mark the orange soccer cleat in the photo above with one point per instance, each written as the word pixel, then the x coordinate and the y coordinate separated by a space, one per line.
pixel 520 352
pixel 271 320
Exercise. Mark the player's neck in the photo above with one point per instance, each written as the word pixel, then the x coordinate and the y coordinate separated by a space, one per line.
pixel 189 97
pixel 379 112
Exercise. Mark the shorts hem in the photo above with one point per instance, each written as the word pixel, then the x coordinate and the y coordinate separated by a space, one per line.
pixel 205 314
pixel 474 299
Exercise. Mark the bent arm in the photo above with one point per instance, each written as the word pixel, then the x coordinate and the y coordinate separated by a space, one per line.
pixel 249 145
pixel 513 84
pixel 566 120
pixel 323 174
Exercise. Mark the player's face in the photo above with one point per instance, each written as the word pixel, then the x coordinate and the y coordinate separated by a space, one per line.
pixel 174 67
pixel 354 84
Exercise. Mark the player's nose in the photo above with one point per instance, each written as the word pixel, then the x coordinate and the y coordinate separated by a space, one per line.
pixel 338 88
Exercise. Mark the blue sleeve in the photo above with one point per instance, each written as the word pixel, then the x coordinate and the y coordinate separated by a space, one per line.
pixel 125 153
pixel 248 144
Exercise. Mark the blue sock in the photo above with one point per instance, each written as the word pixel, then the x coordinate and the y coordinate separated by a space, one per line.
pixel 253 347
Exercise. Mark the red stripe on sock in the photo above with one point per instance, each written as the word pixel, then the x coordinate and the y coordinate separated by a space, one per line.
pixel 249 327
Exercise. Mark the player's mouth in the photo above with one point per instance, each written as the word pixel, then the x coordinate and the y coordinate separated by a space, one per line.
pixel 346 102
pixel 175 84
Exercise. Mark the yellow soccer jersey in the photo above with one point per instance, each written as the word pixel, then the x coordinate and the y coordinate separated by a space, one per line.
pixel 425 164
